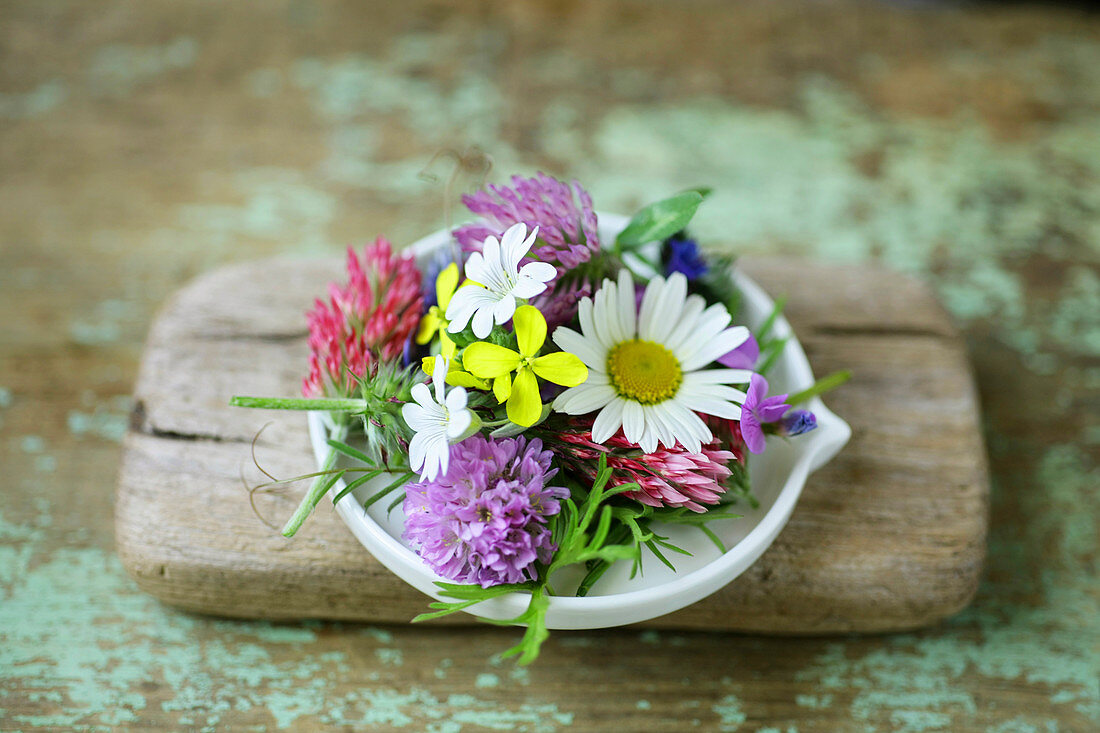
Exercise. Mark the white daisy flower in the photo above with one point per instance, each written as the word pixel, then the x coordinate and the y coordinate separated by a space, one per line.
pixel 645 368
pixel 437 423
pixel 495 281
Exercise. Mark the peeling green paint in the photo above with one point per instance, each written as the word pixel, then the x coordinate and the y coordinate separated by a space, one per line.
pixel 487 681
pixel 118 70
pixel 35 103
pixel 277 204
pixel 828 176
pixel 77 633
pixel 731 716
pixel 32 444
pixel 102 423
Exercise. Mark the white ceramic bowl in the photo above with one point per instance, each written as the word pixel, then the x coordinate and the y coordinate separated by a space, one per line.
pixel 777 475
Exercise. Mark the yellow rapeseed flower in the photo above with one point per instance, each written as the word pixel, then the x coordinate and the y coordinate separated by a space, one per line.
pixel 490 361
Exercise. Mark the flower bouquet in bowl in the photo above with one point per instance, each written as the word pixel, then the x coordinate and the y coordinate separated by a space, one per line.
pixel 545 417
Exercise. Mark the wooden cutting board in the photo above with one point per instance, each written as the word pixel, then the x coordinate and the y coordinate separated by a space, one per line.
pixel 889 536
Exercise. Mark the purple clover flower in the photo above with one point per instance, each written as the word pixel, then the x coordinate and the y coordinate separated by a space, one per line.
pixel 797 422
pixel 758 410
pixel 681 254
pixel 484 521
pixel 560 303
pixel 743 357
pixel 567 231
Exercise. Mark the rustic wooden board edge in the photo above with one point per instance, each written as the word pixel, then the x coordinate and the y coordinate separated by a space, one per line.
pixel 160 576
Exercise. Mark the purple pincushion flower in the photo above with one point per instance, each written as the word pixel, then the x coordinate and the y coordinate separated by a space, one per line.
pixel 758 410
pixel 484 521
pixel 681 254
pixel 743 357
pixel 567 230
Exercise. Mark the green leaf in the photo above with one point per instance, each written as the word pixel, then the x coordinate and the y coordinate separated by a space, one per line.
pixel 356 484
pixel 535 618
pixel 769 355
pixel 652 545
pixel 820 387
pixel 660 220
pixel 766 326
pixel 399 481
pixel 350 452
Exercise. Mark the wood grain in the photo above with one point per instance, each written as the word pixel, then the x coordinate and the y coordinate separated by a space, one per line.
pixel 889 536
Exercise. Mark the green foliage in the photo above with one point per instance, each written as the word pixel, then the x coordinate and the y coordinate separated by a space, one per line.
pixel 659 220
pixel 821 386
pixel 589 529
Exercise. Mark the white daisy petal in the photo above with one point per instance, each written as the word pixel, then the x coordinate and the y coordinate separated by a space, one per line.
pixel 633 421
pixel 564 398
pixel 650 433
pixel 654 416
pixel 593 354
pixel 720 345
pixel 648 312
pixel 686 328
pixel 692 432
pixel 588 327
pixel 708 405
pixel 599 315
pixel 608 422
pixel 719 391
pixel 673 336
pixel 627 306
pixel 584 399
pixel 597 378
pixel 668 307
pixel 708 324
pixel 719 376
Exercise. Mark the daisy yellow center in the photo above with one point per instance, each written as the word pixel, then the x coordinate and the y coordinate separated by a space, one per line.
pixel 644 371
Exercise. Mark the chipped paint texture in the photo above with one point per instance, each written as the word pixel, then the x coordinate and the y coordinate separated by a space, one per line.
pixel 970 158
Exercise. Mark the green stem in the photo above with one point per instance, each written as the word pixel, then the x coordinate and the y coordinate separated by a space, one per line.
pixel 820 386
pixel 318 488
pixel 283 403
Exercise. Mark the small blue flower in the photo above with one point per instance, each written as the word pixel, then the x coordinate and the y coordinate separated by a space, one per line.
pixel 681 254
pixel 435 265
pixel 797 422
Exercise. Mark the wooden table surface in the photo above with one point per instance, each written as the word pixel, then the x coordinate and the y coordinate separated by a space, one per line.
pixel 143 144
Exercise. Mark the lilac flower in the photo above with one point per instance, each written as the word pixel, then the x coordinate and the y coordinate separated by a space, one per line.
pixel 567 231
pixel 681 254
pixel 743 357
pixel 484 522
pixel 757 410
pixel 797 422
